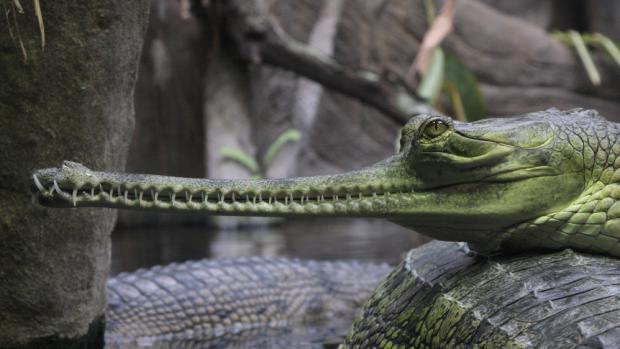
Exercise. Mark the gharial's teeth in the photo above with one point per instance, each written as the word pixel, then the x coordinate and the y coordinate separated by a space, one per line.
pixel 74 197
pixel 125 195
pixel 140 198
pixel 37 183
pixel 92 192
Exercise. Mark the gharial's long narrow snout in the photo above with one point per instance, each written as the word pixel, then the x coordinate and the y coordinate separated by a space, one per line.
pixel 450 180
pixel 367 192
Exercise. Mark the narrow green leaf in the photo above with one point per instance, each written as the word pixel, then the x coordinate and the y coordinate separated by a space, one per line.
pixel 586 58
pixel 18 5
pixel 609 46
pixel 469 103
pixel 429 7
pixel 562 37
pixel 431 83
pixel 290 135
pixel 39 15
pixel 242 158
pixel 455 100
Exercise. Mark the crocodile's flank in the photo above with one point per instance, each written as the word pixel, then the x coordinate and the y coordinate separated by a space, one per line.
pixel 234 302
pixel 542 180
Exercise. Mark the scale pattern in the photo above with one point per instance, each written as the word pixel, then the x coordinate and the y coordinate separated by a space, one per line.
pixel 442 296
pixel 219 298
pixel 592 222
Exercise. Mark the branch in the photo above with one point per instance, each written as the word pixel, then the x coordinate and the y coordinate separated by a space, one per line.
pixel 261 41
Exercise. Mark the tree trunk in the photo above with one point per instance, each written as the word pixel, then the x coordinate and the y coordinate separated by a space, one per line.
pixel 73 100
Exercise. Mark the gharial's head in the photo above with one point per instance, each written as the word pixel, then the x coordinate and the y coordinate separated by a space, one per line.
pixel 451 180
pixel 482 177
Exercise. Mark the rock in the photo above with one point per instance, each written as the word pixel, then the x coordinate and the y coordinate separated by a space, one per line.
pixel 71 101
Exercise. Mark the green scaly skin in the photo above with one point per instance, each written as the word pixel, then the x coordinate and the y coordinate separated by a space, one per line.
pixel 542 180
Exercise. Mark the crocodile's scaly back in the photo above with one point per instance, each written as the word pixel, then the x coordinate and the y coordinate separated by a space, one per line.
pixel 224 301
pixel 540 180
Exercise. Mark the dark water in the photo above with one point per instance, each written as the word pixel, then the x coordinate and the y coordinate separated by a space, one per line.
pixel 320 239
pixel 317 239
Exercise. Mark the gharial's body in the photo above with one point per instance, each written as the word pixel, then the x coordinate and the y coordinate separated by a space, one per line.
pixel 546 180
pixel 224 303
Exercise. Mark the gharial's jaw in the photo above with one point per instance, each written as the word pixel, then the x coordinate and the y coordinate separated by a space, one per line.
pixel 367 192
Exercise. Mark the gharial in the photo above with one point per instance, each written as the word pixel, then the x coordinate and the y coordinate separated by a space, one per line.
pixel 517 190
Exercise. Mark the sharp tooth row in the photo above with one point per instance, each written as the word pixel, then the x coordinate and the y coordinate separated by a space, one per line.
pixel 138 196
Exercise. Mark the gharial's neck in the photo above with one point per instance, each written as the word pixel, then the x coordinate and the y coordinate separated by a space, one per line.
pixel 590 223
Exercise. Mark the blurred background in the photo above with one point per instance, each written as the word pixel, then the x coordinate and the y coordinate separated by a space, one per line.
pixel 280 88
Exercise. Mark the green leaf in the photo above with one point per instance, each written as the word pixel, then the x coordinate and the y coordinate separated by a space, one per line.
pixel 242 158
pixel 18 5
pixel 431 83
pixel 39 15
pixel 469 101
pixel 291 135
pixel 586 58
pixel 429 7
pixel 608 45
pixel 455 100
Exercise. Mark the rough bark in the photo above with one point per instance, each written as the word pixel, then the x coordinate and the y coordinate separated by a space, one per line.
pixel 443 296
pixel 505 51
pixel 527 58
pixel 74 100
pixel 261 40
pixel 537 12
pixel 169 137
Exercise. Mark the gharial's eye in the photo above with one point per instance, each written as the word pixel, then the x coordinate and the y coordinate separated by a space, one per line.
pixel 435 128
